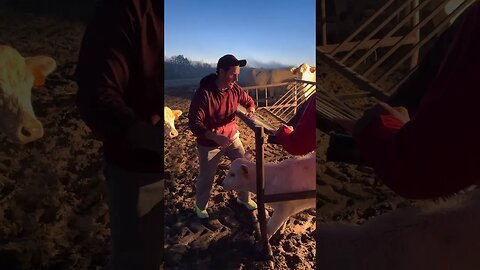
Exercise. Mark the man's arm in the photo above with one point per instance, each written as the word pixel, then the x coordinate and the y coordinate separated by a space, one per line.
pixel 104 70
pixel 246 101
pixel 197 114
pixel 435 153
pixel 197 117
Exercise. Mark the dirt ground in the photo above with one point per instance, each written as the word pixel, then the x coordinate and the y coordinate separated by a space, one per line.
pixel 53 212
pixel 228 239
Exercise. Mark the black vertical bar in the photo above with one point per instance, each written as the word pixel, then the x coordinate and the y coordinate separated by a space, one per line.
pixel 259 141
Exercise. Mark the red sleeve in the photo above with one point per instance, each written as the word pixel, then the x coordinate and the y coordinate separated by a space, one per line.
pixel 437 152
pixel 197 114
pixel 245 100
pixel 103 69
pixel 302 140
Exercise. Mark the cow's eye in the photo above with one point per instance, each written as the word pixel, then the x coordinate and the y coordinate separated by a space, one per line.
pixel 232 175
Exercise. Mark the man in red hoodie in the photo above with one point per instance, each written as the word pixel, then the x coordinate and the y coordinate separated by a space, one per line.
pixel 436 152
pixel 212 120
pixel 120 94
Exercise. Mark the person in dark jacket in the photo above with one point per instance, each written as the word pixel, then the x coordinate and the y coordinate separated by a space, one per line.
pixel 300 140
pixel 120 98
pixel 434 153
pixel 211 118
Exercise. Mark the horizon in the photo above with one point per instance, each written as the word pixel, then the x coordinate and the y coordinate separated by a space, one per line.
pixel 249 65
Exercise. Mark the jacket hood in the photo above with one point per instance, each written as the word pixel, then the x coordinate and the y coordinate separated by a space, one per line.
pixel 208 80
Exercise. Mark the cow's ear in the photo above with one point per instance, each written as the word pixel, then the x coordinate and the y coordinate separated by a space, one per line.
pixel 244 169
pixel 294 70
pixel 248 154
pixel 312 69
pixel 177 114
pixel 41 67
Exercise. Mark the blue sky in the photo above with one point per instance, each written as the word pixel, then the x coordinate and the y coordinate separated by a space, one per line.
pixel 267 33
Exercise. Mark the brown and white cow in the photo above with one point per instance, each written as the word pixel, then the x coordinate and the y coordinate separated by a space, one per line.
pixel 18 75
pixel 170 117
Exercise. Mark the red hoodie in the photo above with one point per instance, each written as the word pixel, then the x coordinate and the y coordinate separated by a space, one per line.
pixel 302 140
pixel 214 110
pixel 437 152
pixel 120 77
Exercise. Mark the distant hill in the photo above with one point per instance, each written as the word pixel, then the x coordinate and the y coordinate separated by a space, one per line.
pixel 180 67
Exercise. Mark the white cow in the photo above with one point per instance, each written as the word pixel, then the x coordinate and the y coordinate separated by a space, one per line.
pixel 170 116
pixel 256 76
pixel 17 77
pixel 291 175
pixel 439 236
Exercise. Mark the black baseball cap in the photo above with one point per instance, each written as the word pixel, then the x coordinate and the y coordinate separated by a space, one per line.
pixel 228 60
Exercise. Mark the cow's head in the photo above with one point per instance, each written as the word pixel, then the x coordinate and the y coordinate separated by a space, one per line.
pixel 17 77
pixel 305 72
pixel 239 177
pixel 170 117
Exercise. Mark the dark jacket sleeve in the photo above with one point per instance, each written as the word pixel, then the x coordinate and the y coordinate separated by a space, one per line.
pixel 103 69
pixel 302 140
pixel 435 153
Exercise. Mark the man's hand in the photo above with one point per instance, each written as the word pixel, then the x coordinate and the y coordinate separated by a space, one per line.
pixel 356 127
pixel 401 113
pixel 220 139
pixel 251 112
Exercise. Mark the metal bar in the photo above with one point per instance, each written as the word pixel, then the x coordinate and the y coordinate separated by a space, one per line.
pixel 391 32
pixel 427 38
pixel 276 117
pixel 395 87
pixel 352 75
pixel 396 46
pixel 288 98
pixel 259 140
pixel 301 195
pixel 253 123
pixel 415 21
pixel 352 95
pixel 331 110
pixel 295 99
pixel 388 42
pixel 266 97
pixel 359 29
pixel 378 28
pixel 265 85
pixel 323 22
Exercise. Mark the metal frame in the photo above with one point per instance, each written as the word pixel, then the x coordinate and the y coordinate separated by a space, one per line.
pixel 261 138
pixel 364 75
pixel 297 92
